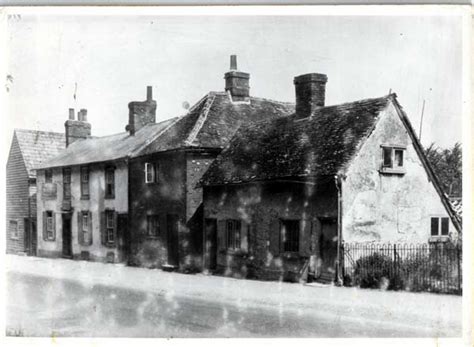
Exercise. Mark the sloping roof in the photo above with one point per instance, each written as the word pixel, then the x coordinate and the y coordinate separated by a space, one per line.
pixel 456 204
pixel 38 147
pixel 106 148
pixel 315 146
pixel 213 121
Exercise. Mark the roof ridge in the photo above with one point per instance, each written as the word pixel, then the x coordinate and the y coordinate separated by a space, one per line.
pixel 200 121
pixel 38 131
pixel 272 100
pixel 152 139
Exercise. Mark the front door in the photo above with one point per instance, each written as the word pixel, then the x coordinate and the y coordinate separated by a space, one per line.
pixel 67 236
pixel 172 221
pixel 123 237
pixel 210 245
pixel 328 248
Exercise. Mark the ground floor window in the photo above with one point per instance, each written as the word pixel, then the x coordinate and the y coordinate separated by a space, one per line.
pixel 49 226
pixel 14 229
pixel 110 226
pixel 233 234
pixel 290 235
pixel 85 227
pixel 153 226
pixel 439 226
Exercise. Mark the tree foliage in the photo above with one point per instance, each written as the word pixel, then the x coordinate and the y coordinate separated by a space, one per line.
pixel 447 164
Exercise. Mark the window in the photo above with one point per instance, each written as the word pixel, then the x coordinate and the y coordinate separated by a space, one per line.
pixel 85 222
pixel 14 229
pixel 439 226
pixel 67 183
pixel 392 159
pixel 233 236
pixel 49 225
pixel 109 183
pixel 85 228
pixel 153 226
pixel 151 172
pixel 48 176
pixel 290 235
pixel 85 182
pixel 110 226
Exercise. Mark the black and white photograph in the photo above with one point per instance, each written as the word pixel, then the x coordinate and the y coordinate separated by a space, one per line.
pixel 237 172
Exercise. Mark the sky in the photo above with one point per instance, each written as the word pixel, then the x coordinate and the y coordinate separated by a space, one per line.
pixel 113 58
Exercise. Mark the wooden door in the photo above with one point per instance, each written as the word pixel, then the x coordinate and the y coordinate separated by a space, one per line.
pixel 172 221
pixel 67 236
pixel 123 239
pixel 210 245
pixel 328 248
pixel 30 236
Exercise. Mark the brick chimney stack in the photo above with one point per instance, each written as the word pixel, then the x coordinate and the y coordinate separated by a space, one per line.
pixel 77 129
pixel 237 82
pixel 310 92
pixel 141 113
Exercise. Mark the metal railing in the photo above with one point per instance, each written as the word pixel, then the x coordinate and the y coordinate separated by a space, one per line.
pixel 431 267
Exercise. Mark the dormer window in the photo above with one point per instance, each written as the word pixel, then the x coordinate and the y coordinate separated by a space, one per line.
pixel 393 159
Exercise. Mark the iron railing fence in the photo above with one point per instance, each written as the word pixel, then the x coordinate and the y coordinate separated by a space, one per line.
pixel 432 267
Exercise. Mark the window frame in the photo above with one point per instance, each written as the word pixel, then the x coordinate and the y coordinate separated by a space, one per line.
pixel 48 176
pixel 85 173
pixel 14 235
pixel 392 167
pixel 50 232
pixel 153 228
pixel 233 234
pixel 152 168
pixel 110 230
pixel 109 170
pixel 290 245
pixel 442 221
pixel 67 193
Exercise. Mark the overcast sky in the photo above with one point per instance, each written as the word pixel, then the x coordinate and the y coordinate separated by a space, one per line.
pixel 113 58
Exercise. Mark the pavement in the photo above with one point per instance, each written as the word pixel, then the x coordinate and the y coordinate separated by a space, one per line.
pixel 60 297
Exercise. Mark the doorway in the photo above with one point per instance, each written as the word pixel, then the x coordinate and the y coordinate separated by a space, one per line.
pixel 30 236
pixel 210 243
pixel 172 221
pixel 328 249
pixel 67 236
pixel 123 239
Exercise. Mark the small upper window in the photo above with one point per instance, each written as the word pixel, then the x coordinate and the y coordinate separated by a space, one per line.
pixel 48 176
pixel 393 159
pixel 110 182
pixel 439 226
pixel 85 182
pixel 151 172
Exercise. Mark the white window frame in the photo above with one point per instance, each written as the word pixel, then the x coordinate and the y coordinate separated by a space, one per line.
pixel 393 168
pixel 150 168
pixel 440 226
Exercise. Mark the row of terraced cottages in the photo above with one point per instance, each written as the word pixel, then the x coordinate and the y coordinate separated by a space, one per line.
pixel 240 185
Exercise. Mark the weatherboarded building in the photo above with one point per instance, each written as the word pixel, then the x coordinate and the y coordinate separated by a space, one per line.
pixel 28 149
pixel 283 195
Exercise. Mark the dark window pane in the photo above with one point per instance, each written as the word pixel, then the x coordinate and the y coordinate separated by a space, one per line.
pixel 48 176
pixel 290 235
pixel 387 157
pixel 434 226
pixel 444 226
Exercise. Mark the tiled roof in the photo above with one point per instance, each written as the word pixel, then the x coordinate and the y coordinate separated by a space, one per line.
pixel 213 120
pixel 38 147
pixel 456 204
pixel 289 147
pixel 106 148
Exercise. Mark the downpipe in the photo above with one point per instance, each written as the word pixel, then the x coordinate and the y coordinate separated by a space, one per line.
pixel 339 260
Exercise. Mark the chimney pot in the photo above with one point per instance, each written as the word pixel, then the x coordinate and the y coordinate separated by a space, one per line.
pixel 71 114
pixel 310 90
pixel 149 93
pixel 84 114
pixel 233 62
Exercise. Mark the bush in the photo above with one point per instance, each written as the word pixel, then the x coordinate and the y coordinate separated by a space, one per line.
pixel 376 271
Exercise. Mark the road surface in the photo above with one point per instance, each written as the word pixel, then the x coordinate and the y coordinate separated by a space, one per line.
pixel 71 298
